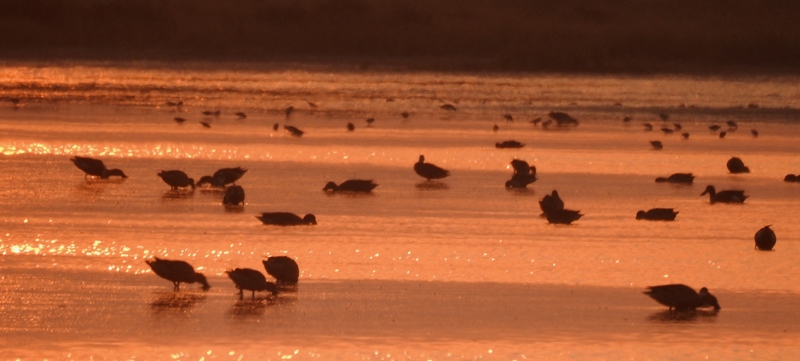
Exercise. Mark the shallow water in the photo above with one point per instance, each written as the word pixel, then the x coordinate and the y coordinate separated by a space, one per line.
pixel 456 269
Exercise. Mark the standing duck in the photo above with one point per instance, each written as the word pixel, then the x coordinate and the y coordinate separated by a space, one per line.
pixel 176 179
pixel 429 171
pixel 284 269
pixel 657 214
pixel 682 297
pixel 96 168
pixel 765 239
pixel 177 272
pixel 727 196
pixel 351 185
pixel 251 280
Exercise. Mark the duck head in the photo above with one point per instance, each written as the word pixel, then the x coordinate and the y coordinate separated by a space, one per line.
pixel 709 190
pixel 201 279
pixel 330 187
pixel 310 219
pixel 708 299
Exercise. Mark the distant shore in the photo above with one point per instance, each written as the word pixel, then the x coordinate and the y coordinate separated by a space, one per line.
pixel 618 36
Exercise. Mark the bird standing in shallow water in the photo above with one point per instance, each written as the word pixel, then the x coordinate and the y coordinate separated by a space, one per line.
pixel 682 297
pixel 177 272
pixel 509 144
pixel 765 239
pixel 176 179
pixel 284 269
pixel 223 177
pixel 96 168
pixel 429 171
pixel 251 280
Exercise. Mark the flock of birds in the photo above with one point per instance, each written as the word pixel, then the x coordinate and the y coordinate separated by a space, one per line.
pixel 286 271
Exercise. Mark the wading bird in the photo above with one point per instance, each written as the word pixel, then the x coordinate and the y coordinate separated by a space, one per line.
pixel 177 272
pixel 682 297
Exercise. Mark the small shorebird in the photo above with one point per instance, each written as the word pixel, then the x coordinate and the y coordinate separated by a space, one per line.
pixel 177 272
pixel 223 177
pixel 240 115
pixel 179 120
pixel 657 214
pixel 685 178
pixel 509 144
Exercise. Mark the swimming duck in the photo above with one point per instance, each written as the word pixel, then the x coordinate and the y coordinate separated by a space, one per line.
pixel 551 202
pixel 284 269
pixel 727 196
pixel 234 196
pixel 176 179
pixel 562 216
pixel 223 177
pixel 681 297
pixel 657 214
pixel 765 239
pixel 428 170
pixel 509 144
pixel 96 168
pixel 686 178
pixel 251 280
pixel 177 272
pixel 286 219
pixel 351 185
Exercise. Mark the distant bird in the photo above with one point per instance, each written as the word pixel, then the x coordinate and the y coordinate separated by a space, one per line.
pixel 240 115
pixel 177 272
pixel 509 144
pixel 295 132
pixel 351 185
pixel 449 107
pixel 657 214
pixel 536 121
pixel 685 135
pixel 286 219
pixel 663 116
pixel 508 117
pixel 284 269
pixel 429 171
pixel 209 113
pixel 726 196
pixel 177 104
pixel 563 216
pixel 732 125
pixel 311 104
pixel 205 124
pixel 289 111
pixel 562 118
pixel 495 128
pixel 722 134
pixel 223 177
pixel 681 297
pixel 350 127
pixel 234 196
pixel 667 130
pixel 546 124
pixel 524 174
pixel 714 127
pixel 251 280
pixel 179 120
pixel 685 178
pixel 791 178
pixel 657 144
pixel 275 127
pixel 405 115
pixel 626 119
pixel 370 121
pixel 735 165
pixel 96 168
pixel 551 203
pixel 648 126
pixel 176 179
pixel 677 126
pixel 765 239
pixel 754 133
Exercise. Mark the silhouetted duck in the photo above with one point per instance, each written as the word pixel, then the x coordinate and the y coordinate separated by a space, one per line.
pixel 791 178
pixel 405 115
pixel 551 202
pixel 350 127
pixel 523 175
pixel 509 144
pixel 428 170
pixel 223 177
pixel 286 219
pixel 765 239
pixel 234 196
pixel 96 168
pixel 735 165
pixel 562 216
pixel 563 119
pixel 293 130
pixel 657 145
pixel 176 179
pixel 177 272
pixel 685 178
pixel 284 269
pixel 627 119
pixel 727 196
pixel 657 214
pixel 251 280
pixel 681 297
pixel 351 185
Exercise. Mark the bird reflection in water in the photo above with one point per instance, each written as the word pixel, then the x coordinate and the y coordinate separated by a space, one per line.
pixel 175 301
pixel 177 194
pixel 431 186
pixel 684 316
pixel 257 307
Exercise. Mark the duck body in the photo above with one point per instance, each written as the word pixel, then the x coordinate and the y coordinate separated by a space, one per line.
pixel 429 171
pixel 223 177
pixel 176 179
pixel 551 203
pixel 351 185
pixel 563 216
pixel 96 168
pixel 735 166
pixel 726 196
pixel 765 239
pixel 682 297
pixel 679 178
pixel 247 279
pixel 657 214
pixel 293 130
pixel 234 196
pixel 177 272
pixel 284 269
pixel 286 219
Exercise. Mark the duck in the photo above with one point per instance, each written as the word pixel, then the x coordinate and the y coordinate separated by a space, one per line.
pixel 657 145
pixel 727 196
pixel 284 269
pixel 681 297
pixel 429 171
pixel 684 178
pixel 240 115
pixel 295 132
pixel 562 118
pixel 251 280
pixel 223 177
pixel 234 196
pixel 177 272
pixel 448 106
pixel 551 202
pixel 524 174
pixel 791 178
pixel 563 216
pixel 96 168
pixel 286 219
pixel 176 179
pixel 765 239
pixel 351 185
pixel 657 214
pixel 350 127
pixel 509 144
